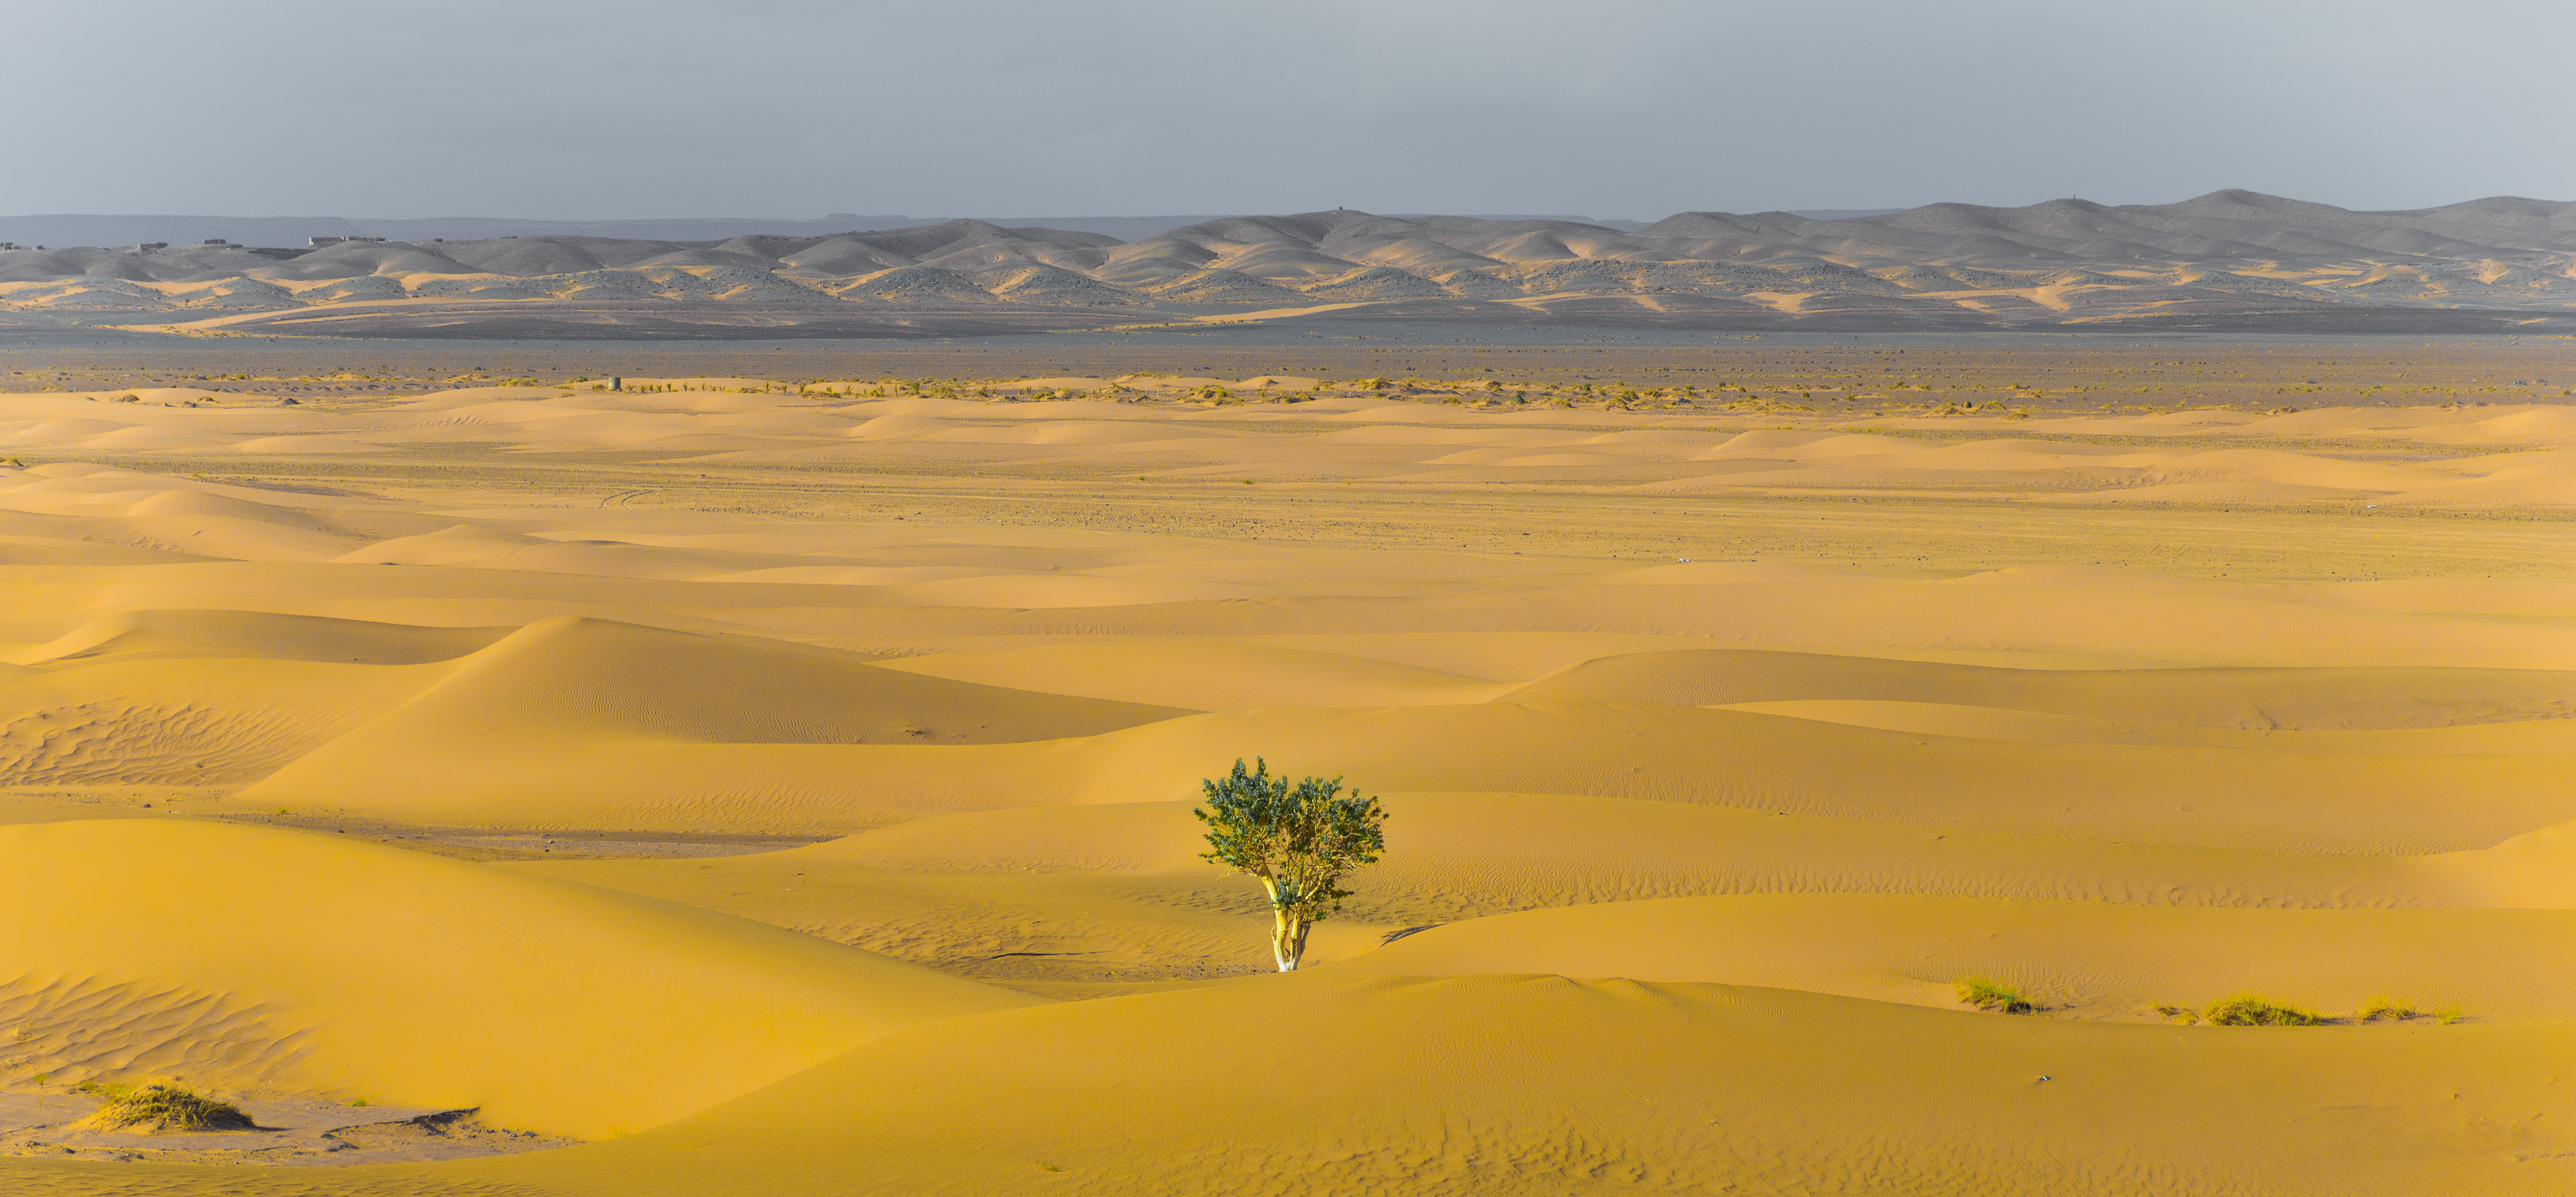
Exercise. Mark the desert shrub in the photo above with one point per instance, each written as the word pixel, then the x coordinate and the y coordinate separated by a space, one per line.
pixel 1986 993
pixel 2385 1006
pixel 1297 841
pixel 164 1108
pixel 2248 1010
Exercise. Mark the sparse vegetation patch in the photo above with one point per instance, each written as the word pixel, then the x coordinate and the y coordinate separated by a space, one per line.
pixel 1986 993
pixel 163 1108
pixel 2385 1007
pixel 2249 1010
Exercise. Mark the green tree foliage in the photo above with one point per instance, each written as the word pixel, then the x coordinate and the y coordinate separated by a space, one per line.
pixel 1296 840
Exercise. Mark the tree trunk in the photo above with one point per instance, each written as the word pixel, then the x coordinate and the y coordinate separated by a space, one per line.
pixel 1288 937
pixel 1287 930
pixel 1295 950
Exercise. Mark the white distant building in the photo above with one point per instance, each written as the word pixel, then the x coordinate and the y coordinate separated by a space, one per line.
pixel 148 246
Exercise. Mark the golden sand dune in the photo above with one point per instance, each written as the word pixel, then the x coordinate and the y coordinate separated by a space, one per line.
pixel 1608 1086
pixel 2328 456
pixel 2545 735
pixel 187 721
pixel 528 768
pixel 2079 956
pixel 1209 675
pixel 366 971
pixel 1119 887
pixel 576 678
pixel 2251 699
pixel 218 634
pixel 587 722
pixel 791 789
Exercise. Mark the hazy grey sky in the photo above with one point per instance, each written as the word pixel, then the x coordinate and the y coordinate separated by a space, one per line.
pixel 1635 108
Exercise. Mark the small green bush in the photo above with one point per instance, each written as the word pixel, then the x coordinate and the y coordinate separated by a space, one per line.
pixel 164 1108
pixel 2385 1006
pixel 1985 993
pixel 2248 1010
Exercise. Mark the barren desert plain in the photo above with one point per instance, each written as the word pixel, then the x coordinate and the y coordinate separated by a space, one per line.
pixel 1824 766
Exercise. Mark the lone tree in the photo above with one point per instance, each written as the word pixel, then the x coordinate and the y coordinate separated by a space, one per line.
pixel 1298 840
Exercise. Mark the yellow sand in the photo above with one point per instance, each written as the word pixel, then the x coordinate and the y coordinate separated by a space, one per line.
pixel 2080 957
pixel 441 779
pixel 1549 1085
pixel 245 956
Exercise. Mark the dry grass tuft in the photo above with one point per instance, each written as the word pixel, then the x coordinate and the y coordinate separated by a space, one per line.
pixel 2248 1010
pixel 164 1108
pixel 1985 993
pixel 2387 1007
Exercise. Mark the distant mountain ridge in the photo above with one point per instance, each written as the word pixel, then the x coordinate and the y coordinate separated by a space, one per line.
pixel 72 230
pixel 2230 259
